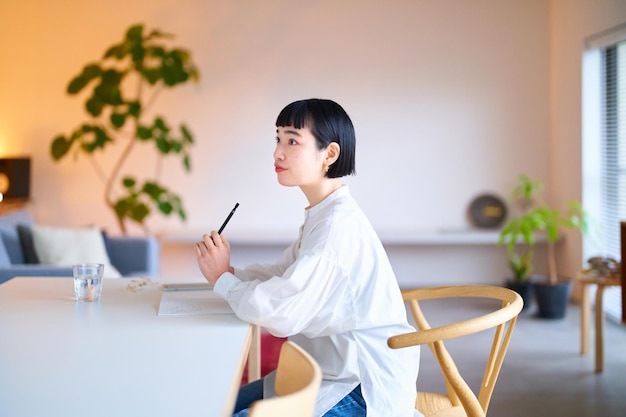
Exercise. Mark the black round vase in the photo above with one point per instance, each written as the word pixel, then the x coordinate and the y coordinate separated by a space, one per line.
pixel 552 299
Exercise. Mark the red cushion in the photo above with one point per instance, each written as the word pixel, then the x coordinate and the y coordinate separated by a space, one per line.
pixel 270 350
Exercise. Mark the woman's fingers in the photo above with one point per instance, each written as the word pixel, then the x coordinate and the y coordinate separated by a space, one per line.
pixel 213 253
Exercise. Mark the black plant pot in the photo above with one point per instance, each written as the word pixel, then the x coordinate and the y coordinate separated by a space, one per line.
pixel 524 289
pixel 552 299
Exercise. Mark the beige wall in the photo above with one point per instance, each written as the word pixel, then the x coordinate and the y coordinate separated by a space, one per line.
pixel 449 98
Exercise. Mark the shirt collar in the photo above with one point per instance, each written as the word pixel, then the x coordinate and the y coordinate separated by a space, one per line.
pixel 330 199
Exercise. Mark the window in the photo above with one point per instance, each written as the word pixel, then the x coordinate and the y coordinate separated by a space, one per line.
pixel 604 149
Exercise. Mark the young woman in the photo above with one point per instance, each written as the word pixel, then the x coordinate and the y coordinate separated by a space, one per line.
pixel 333 292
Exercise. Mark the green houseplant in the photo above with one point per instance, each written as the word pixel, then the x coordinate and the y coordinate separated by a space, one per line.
pixel 521 266
pixel 518 236
pixel 537 217
pixel 124 85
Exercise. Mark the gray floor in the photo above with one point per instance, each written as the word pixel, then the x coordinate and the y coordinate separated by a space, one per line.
pixel 543 373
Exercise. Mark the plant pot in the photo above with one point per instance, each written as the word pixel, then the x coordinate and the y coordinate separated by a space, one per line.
pixel 524 289
pixel 552 299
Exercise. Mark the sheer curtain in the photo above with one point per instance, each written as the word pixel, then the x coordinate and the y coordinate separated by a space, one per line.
pixel 604 149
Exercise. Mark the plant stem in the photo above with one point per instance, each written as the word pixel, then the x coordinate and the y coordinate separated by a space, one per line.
pixel 98 169
pixel 552 275
pixel 157 90
pixel 158 167
pixel 108 190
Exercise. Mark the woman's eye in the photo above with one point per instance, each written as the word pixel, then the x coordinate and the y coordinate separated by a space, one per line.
pixel 289 141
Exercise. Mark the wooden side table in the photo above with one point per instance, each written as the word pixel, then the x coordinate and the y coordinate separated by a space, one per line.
pixel 585 313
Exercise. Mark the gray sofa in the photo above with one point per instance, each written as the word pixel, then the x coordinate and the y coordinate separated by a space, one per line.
pixel 132 256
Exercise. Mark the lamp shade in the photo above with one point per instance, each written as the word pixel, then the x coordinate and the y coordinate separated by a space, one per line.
pixel 15 178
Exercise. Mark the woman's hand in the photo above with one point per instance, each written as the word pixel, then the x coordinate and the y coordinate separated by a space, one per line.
pixel 213 254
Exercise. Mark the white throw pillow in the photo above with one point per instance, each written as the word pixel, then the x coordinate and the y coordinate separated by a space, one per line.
pixel 69 246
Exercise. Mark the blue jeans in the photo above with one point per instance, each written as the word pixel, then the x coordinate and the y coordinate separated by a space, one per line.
pixel 352 405
pixel 248 394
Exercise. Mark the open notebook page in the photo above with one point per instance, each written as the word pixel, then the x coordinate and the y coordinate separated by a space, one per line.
pixel 192 302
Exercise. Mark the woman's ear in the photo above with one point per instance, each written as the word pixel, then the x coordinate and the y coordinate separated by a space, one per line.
pixel 332 153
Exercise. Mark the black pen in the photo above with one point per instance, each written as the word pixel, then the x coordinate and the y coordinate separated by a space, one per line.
pixel 219 232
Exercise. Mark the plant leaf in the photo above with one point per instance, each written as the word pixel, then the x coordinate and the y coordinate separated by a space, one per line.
pixel 118 119
pixel 176 146
pixel 135 32
pixel 129 182
pixel 161 125
pixel 144 133
pixel 186 134
pixel 94 106
pixel 134 109
pixel 60 147
pixel 139 212
pixel 100 138
pixel 152 75
pixel 116 51
pixel 153 189
pixel 109 88
pixel 162 145
pixel 79 82
pixel 121 207
pixel 165 207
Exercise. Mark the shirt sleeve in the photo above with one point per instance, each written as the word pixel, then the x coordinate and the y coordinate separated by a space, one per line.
pixel 311 297
pixel 262 272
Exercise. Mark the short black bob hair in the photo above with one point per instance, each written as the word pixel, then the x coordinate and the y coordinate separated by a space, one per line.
pixel 328 122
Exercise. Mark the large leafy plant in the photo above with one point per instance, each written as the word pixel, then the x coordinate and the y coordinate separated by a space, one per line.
pixel 536 217
pixel 123 86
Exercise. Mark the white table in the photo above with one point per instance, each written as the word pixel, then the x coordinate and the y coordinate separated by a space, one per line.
pixel 115 357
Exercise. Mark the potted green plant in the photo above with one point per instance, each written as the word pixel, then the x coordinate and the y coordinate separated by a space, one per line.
pixel 124 85
pixel 519 238
pixel 551 294
pixel 521 265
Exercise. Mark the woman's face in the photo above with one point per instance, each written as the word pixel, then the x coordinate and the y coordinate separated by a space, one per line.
pixel 297 161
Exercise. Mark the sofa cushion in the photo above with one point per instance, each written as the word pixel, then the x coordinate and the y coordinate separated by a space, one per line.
pixel 26 241
pixel 4 256
pixel 8 233
pixel 68 246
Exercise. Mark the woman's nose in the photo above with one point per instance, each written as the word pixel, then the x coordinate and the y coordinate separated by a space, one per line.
pixel 278 154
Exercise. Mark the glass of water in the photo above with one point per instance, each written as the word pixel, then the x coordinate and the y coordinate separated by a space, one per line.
pixel 88 281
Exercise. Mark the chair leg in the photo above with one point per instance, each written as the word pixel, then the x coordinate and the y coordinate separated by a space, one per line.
pixel 585 313
pixel 254 356
pixel 599 329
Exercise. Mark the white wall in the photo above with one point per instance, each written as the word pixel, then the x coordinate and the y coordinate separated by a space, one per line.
pixel 449 98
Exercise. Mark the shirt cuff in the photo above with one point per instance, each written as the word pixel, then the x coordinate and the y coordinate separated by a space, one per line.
pixel 224 283
pixel 241 274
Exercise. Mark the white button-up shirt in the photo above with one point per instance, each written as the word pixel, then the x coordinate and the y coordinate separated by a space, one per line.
pixel 334 293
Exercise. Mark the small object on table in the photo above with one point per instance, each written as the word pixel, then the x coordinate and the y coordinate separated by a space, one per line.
pixel 88 281
pixel 603 267
pixel 188 286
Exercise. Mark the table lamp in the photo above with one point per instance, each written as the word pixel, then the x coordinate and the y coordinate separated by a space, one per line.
pixel 14 179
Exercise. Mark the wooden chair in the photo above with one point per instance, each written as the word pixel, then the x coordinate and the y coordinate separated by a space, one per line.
pixel 298 379
pixel 460 400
